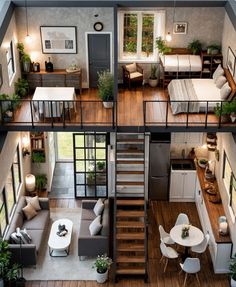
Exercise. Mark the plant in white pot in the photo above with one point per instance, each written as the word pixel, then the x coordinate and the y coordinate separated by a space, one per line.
pixel 102 265
pixel 106 88
pixel 232 270
pixel 153 79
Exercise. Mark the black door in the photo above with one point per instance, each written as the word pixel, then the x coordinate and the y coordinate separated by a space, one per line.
pixel 98 56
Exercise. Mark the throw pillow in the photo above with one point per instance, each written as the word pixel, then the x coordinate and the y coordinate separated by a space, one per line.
pixel 98 208
pixel 26 235
pixel 220 81
pixel 95 226
pixel 34 201
pixel 29 211
pixel 14 238
pixel 225 91
pixel 218 72
pixel 131 68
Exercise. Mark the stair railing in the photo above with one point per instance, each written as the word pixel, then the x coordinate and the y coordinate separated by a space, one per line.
pixel 145 214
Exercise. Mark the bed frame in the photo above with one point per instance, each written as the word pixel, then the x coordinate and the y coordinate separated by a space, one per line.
pixel 232 84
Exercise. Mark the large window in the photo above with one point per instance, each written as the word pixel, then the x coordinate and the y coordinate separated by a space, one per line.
pixel 16 171
pixel 3 213
pixel 137 33
pixel 10 62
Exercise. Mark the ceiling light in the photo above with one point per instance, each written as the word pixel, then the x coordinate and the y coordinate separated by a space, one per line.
pixel 168 37
pixel 27 38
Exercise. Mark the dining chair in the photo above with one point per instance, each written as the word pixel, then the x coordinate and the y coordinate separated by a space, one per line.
pixel 191 266
pixel 201 248
pixel 167 253
pixel 182 219
pixel 164 236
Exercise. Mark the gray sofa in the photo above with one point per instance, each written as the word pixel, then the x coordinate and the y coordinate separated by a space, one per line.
pixel 36 228
pixel 89 245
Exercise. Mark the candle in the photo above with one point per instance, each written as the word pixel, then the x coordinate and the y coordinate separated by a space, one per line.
pixel 223 227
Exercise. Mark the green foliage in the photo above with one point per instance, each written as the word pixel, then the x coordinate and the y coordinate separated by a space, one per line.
pixel 232 267
pixel 161 46
pixel 212 47
pixel 195 46
pixel 226 109
pixel 105 86
pixel 154 70
pixel 38 157
pixel 90 177
pixel 24 57
pixel 101 165
pixel 20 47
pixel 131 46
pixel 41 181
pixel 102 263
pixel 21 87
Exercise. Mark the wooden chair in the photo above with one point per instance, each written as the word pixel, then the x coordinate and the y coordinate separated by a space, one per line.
pixel 132 73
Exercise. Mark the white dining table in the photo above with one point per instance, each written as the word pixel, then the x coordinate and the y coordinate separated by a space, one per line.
pixel 195 237
pixel 48 101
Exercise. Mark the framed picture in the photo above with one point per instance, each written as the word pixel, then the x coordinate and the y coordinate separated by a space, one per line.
pixel 231 61
pixel 1 80
pixel 180 28
pixel 58 39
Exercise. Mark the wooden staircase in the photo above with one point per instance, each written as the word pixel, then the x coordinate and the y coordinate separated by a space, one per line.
pixel 130 230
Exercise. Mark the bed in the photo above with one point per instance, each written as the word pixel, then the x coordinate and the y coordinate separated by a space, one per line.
pixel 191 95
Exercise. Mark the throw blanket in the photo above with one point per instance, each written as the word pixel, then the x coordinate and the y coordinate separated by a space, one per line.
pixel 182 91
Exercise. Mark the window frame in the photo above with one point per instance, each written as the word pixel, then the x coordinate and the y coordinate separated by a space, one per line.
pixel 11 61
pixel 4 205
pixel 158 30
pixel 17 188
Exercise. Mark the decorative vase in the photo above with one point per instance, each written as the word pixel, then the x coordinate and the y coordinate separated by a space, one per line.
pixel 102 277
pixel 108 105
pixel 232 283
pixel 153 82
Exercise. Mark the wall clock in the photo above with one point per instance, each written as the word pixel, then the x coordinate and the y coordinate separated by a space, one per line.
pixel 98 26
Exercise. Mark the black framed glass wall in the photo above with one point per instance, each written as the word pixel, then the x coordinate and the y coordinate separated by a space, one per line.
pixel 90 164
pixel 3 213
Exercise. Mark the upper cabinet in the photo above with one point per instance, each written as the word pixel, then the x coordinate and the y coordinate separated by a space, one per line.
pixel 187 138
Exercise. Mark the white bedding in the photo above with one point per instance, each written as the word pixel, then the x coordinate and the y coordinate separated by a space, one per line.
pixel 182 63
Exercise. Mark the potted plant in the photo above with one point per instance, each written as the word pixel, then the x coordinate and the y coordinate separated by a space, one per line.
pixel 195 46
pixel 106 88
pixel 153 79
pixel 101 165
pixel 90 178
pixel 213 49
pixel 38 157
pixel 223 111
pixel 102 265
pixel 232 271
pixel 40 181
pixel 22 87
pixel 24 58
pixel 161 46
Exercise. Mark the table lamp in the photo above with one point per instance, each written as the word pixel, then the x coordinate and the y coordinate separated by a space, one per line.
pixel 30 182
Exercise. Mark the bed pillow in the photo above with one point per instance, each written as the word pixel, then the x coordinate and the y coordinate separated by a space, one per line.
pixel 131 68
pixel 218 72
pixel 98 208
pixel 220 81
pixel 95 226
pixel 225 91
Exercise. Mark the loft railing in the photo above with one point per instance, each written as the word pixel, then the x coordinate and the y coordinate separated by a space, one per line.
pixel 25 112
pixel 160 113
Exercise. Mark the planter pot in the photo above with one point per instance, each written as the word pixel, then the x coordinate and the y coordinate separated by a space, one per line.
pixel 214 51
pixel 232 283
pixel 153 82
pixel 1 283
pixel 26 67
pixel 233 117
pixel 108 105
pixel 102 277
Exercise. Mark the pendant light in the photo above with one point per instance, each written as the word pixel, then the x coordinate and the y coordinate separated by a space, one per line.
pixel 27 37
pixel 168 36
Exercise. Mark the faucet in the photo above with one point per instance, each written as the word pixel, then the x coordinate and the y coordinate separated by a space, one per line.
pixel 183 153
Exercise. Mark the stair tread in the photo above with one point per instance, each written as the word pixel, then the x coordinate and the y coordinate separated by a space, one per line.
pixel 130 235
pixel 129 151
pixel 130 202
pixel 130 259
pixel 130 247
pixel 129 183
pixel 130 172
pixel 130 270
pixel 130 213
pixel 130 224
pixel 131 161
pixel 129 140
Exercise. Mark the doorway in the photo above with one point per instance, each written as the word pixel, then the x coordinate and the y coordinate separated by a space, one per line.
pixel 99 55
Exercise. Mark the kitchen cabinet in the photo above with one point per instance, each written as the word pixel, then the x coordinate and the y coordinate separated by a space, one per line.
pixel 187 138
pixel 182 185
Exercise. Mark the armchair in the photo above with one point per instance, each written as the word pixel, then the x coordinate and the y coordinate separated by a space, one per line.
pixel 132 73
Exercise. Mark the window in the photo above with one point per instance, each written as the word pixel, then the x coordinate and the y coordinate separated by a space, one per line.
pixel 16 171
pixel 10 62
pixel 3 213
pixel 137 34
pixel 10 194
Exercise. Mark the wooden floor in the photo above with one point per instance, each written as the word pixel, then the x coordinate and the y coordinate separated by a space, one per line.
pixel 164 213
pixel 130 106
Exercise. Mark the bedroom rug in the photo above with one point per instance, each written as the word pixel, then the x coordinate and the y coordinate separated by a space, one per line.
pixel 62 268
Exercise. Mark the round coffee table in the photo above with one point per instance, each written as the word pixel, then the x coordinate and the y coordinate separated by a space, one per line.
pixel 59 246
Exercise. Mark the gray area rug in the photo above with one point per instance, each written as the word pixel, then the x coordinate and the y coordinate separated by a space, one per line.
pixel 62 268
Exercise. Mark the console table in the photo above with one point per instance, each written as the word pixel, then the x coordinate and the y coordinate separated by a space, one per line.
pixel 57 78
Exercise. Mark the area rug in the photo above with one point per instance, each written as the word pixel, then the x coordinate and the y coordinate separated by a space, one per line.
pixel 62 268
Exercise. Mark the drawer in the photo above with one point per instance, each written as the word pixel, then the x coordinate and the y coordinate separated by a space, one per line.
pixel 53 77
pixel 34 84
pixel 75 84
pixel 73 77
pixel 33 77
pixel 53 83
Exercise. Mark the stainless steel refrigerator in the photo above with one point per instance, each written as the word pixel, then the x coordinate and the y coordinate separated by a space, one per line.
pixel 159 170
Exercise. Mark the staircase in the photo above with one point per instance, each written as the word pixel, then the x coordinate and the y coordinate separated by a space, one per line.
pixel 130 231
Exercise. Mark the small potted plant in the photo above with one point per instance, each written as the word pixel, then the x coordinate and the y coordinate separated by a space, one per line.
pixel 106 88
pixel 22 87
pixel 101 165
pixel 24 58
pixel 161 46
pixel 102 265
pixel 40 181
pixel 195 46
pixel 223 111
pixel 232 270
pixel 153 79
pixel 213 49
pixel 90 178
pixel 185 231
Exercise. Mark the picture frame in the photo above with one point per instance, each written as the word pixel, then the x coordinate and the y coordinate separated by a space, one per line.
pixel 180 28
pixel 1 80
pixel 231 61
pixel 59 39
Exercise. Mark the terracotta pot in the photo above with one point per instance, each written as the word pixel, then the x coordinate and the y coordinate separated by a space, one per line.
pixel 102 277
pixel 108 105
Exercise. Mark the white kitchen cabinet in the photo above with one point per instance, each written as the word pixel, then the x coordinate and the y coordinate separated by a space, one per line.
pixel 187 138
pixel 182 185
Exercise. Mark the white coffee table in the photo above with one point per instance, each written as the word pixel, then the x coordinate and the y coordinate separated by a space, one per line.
pixel 60 246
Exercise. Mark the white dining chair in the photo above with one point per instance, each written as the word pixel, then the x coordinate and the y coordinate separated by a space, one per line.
pixel 182 219
pixel 167 253
pixel 191 266
pixel 164 236
pixel 201 248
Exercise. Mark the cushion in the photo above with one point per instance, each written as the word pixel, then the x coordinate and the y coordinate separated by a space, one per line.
pixel 88 214
pixel 98 208
pixel 29 211
pixel 14 238
pixel 220 81
pixel 135 75
pixel 38 238
pixel 26 237
pixel 95 226
pixel 38 222
pixel 34 202
pixel 131 68
pixel 225 91
pixel 218 72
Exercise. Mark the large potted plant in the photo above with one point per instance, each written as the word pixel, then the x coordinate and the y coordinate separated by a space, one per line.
pixel 106 88
pixel 232 271
pixel 40 181
pixel 102 265
pixel 195 46
pixel 224 111
pixel 153 79
pixel 22 87
pixel 161 46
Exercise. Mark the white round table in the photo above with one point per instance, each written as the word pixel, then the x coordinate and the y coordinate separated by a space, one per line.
pixel 195 237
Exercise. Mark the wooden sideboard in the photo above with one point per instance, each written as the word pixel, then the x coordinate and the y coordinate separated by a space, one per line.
pixel 57 78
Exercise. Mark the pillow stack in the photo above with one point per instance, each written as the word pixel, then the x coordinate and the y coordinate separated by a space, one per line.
pixel 30 210
pixel 218 72
pixel 95 226
pixel 21 236
pixel 225 91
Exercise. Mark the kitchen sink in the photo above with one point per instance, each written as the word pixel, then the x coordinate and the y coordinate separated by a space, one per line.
pixel 183 164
